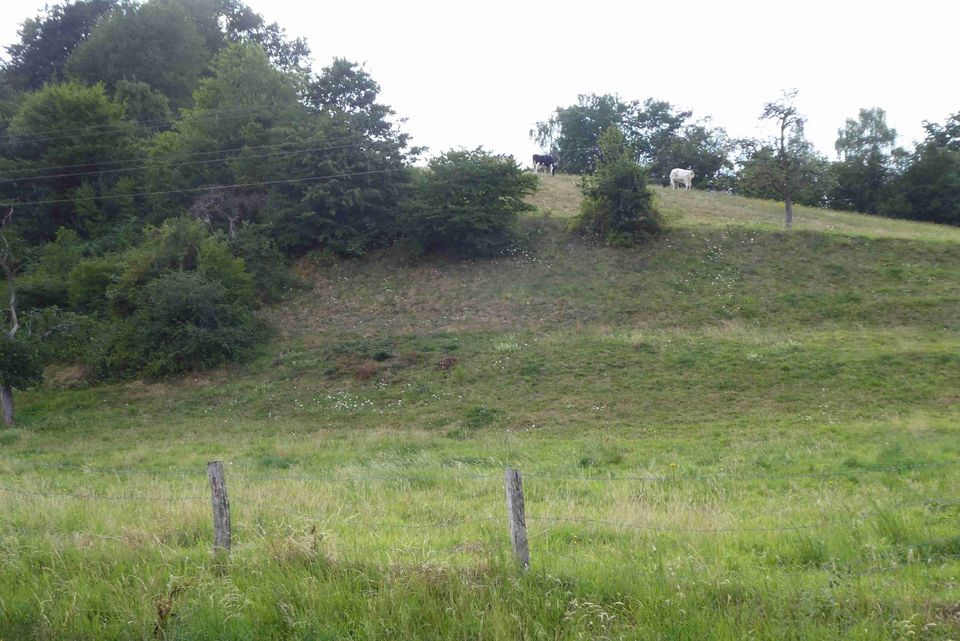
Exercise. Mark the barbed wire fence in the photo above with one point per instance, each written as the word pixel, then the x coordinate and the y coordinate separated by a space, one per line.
pixel 515 518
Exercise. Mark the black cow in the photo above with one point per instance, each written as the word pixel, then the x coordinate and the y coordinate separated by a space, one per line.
pixel 546 161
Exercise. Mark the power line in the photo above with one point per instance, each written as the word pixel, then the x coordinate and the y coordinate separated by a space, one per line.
pixel 182 164
pixel 126 125
pixel 176 155
pixel 201 189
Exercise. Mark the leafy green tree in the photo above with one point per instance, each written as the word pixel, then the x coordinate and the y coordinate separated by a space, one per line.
pixel 241 24
pixel 351 139
pixel 618 206
pixel 651 127
pixel 60 137
pixel 864 147
pixel 151 42
pixel 244 106
pixel 467 204
pixel 700 147
pixel 945 136
pixel 928 188
pixel 658 135
pixel 572 133
pixel 46 41
pixel 760 172
pixel 143 104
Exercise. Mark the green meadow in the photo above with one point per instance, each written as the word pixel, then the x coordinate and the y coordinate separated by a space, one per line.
pixel 732 432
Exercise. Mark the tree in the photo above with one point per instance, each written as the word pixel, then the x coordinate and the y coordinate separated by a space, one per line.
pixel 20 365
pixel 787 162
pixel 572 133
pixel 617 205
pixel 352 141
pixel 467 204
pixel 143 104
pixel 650 128
pixel 151 43
pixel 945 136
pixel 168 44
pixel 928 188
pixel 76 128
pixel 47 40
pixel 698 146
pixel 244 105
pixel 864 148
pixel 658 135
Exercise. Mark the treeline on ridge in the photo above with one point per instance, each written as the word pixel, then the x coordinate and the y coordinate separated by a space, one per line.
pixel 870 175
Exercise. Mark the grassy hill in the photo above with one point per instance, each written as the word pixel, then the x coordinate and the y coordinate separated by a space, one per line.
pixel 734 431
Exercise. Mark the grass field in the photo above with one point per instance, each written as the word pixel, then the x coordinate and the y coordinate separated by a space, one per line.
pixel 734 432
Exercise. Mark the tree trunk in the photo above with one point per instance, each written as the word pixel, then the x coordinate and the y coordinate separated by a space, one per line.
pixel 788 211
pixel 6 399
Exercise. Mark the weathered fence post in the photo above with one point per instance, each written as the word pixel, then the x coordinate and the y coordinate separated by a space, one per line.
pixel 516 516
pixel 221 507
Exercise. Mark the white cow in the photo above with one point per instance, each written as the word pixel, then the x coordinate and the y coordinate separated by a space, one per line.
pixel 678 176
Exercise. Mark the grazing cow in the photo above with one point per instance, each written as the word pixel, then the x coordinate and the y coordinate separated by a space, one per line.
pixel 546 161
pixel 678 176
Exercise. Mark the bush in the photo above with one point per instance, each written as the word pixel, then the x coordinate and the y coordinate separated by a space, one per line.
pixel 467 204
pixel 20 364
pixel 180 244
pixel 89 282
pixel 263 260
pixel 617 206
pixel 183 322
pixel 62 336
pixel 45 284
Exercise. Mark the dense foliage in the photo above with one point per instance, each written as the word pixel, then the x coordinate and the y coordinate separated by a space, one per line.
pixel 20 363
pixel 467 204
pixel 657 135
pixel 618 206
pixel 164 161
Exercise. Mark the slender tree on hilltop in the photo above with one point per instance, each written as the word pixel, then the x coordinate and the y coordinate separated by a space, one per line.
pixel 787 162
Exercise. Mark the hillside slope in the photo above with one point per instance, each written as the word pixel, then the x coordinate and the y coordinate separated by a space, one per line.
pixel 781 408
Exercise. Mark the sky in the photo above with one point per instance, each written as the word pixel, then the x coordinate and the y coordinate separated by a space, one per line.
pixel 482 73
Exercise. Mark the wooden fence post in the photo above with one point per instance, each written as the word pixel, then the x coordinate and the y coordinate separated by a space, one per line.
pixel 221 507
pixel 517 517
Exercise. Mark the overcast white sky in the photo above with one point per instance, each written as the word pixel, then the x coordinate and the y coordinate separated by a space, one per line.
pixel 482 73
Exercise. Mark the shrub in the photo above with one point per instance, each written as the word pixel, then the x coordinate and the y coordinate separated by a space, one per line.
pixel 467 204
pixel 180 244
pixel 62 336
pixel 20 364
pixel 263 260
pixel 44 285
pixel 89 282
pixel 617 206
pixel 183 322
